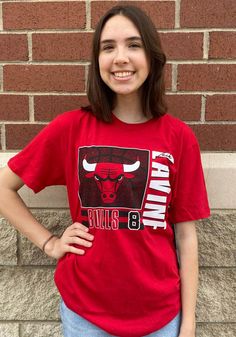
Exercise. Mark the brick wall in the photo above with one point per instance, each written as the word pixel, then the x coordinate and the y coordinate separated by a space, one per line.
pixel 44 60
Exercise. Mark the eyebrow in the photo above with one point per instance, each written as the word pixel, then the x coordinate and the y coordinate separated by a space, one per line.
pixel 132 38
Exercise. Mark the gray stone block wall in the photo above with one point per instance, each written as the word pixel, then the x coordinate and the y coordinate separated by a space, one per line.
pixel 29 301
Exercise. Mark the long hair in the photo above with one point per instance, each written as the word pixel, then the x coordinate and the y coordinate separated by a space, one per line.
pixel 100 96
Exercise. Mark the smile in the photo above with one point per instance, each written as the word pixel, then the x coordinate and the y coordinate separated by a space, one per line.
pixel 123 74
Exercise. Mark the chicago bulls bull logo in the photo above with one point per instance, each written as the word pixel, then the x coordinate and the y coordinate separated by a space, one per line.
pixel 109 176
pixel 112 177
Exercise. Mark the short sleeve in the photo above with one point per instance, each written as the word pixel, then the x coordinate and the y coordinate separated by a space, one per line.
pixel 189 196
pixel 41 162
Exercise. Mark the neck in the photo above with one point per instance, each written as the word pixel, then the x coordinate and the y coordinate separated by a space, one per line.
pixel 129 109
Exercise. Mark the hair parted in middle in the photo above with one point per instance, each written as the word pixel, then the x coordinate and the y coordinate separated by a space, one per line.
pixel 100 96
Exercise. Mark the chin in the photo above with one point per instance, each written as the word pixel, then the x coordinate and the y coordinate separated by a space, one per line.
pixel 127 93
pixel 124 91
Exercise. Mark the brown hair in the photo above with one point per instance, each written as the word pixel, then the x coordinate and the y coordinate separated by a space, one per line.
pixel 100 96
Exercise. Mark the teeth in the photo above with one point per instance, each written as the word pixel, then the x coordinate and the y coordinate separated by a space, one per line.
pixel 123 74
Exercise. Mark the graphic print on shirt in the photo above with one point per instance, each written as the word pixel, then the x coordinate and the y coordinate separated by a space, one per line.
pixel 113 187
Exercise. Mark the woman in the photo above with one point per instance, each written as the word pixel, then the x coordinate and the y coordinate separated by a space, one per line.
pixel 132 171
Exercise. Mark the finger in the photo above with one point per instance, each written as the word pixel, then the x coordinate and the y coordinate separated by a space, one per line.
pixel 71 249
pixel 81 233
pixel 78 232
pixel 79 225
pixel 80 242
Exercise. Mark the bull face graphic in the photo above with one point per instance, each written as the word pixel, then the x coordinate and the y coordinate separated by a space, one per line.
pixel 109 176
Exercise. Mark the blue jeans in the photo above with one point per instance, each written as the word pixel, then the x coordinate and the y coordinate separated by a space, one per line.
pixel 76 326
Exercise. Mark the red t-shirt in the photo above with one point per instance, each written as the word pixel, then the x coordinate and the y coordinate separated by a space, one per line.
pixel 129 183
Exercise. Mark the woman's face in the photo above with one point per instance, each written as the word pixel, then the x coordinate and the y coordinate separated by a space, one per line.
pixel 122 59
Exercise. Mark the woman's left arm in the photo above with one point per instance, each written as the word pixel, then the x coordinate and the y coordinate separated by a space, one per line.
pixel 186 240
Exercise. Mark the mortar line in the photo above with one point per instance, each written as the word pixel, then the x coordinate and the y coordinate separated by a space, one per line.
pixel 91 30
pixel 86 77
pixel 29 37
pixel 47 63
pixel 205 92
pixel 177 13
pixel 217 267
pixel 31 109
pixel 26 122
pixel 86 63
pixel 32 267
pixel 206 43
pixel 34 321
pixel 55 93
pixel 200 61
pixel 47 31
pixel 83 94
pixel 1 17
pixel 1 78
pixel 88 15
pixel 3 137
pixel 213 122
pixel 203 109
pixel 43 0
pixel 218 322
pixel 174 77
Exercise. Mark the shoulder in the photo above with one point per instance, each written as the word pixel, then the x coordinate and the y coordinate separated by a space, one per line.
pixel 70 120
pixel 176 123
pixel 63 124
pixel 73 116
pixel 179 129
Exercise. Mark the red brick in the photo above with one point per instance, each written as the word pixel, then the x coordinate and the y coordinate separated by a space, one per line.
pixel 185 107
pixel 161 13
pixel 216 137
pixel 44 15
pixel 208 13
pixel 206 77
pixel 221 108
pixel 14 107
pixel 48 107
pixel 19 135
pixel 66 47
pixel 222 45
pixel 182 46
pixel 13 47
pixel 168 76
pixel 43 78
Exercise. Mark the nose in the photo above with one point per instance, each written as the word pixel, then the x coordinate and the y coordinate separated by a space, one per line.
pixel 121 57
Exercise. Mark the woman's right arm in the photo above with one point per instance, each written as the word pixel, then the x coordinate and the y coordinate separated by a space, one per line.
pixel 13 208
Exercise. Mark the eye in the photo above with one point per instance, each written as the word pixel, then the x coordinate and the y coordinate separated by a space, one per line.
pixel 135 45
pixel 107 47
